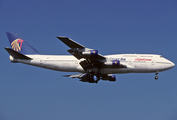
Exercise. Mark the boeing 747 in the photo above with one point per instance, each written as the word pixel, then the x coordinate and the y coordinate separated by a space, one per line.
pixel 91 66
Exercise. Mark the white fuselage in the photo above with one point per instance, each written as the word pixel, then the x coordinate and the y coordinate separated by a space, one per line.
pixel 135 63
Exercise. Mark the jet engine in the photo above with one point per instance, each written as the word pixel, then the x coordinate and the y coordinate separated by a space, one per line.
pixel 114 62
pixel 109 77
pixel 90 53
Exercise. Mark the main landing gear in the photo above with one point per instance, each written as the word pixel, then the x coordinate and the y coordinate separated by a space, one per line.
pixel 156 75
pixel 94 77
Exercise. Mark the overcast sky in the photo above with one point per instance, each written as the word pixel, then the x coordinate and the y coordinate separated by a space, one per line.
pixel 111 27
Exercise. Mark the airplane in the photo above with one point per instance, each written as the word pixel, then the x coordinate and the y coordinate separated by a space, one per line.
pixel 91 66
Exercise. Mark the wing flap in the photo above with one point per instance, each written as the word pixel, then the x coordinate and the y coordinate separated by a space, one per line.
pixel 73 76
pixel 83 77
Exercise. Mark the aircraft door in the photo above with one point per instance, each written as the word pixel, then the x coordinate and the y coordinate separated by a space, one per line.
pixel 152 62
pixel 41 61
pixel 130 61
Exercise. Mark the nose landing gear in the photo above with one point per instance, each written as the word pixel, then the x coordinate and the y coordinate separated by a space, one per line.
pixel 156 77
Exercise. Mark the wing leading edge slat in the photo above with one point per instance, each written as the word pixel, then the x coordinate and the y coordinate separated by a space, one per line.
pixel 70 43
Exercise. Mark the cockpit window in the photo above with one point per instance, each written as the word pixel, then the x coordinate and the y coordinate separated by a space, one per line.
pixel 161 57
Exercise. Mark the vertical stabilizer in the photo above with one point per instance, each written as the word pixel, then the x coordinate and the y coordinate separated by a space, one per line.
pixel 19 45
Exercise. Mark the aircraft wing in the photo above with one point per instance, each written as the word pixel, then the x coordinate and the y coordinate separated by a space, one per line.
pixel 92 59
pixel 89 58
pixel 70 43
pixel 80 51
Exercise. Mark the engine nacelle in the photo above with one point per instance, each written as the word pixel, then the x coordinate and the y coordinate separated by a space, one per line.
pixel 114 62
pixel 109 77
pixel 90 53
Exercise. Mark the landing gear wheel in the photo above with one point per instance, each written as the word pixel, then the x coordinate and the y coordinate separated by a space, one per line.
pixel 156 77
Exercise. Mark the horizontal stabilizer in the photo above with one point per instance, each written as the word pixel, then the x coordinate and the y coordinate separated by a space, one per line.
pixel 70 43
pixel 16 54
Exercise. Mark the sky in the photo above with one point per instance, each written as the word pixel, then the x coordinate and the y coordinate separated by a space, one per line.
pixel 111 27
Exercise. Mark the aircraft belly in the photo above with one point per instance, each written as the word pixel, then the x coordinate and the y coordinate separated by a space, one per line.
pixel 65 66
pixel 114 70
pixel 35 62
pixel 141 68
pixel 59 65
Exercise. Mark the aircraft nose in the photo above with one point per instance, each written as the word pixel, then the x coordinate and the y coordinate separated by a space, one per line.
pixel 169 64
pixel 172 64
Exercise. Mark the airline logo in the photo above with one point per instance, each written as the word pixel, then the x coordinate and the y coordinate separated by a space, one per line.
pixel 94 52
pixel 142 59
pixel 17 44
pixel 119 59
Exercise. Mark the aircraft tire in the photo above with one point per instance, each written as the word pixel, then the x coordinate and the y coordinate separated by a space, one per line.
pixel 156 77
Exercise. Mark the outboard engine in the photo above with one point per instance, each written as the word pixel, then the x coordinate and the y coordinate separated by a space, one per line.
pixel 91 53
pixel 109 77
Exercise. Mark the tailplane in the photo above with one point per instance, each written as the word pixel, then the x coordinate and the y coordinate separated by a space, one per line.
pixel 17 55
pixel 19 45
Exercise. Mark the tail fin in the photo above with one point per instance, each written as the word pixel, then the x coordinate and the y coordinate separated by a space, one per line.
pixel 19 45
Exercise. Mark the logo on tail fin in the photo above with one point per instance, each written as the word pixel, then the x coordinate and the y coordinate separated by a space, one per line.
pixel 17 44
